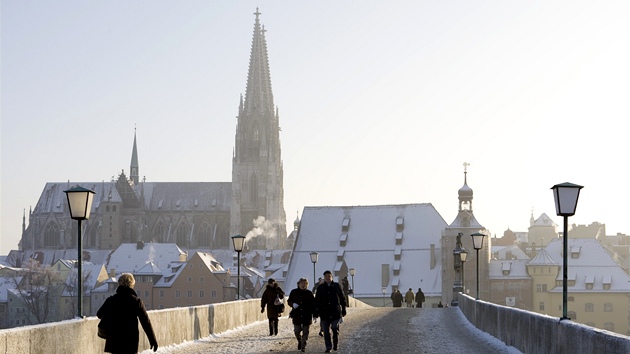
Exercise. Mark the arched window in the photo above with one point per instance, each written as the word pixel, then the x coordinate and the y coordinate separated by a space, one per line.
pixel 608 307
pixel 588 307
pixel 182 235
pixel 160 232
pixel 204 235
pixel 51 236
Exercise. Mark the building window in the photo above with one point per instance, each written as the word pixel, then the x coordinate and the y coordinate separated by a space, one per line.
pixel 161 293
pixel 201 279
pixel 572 315
pixel 589 286
pixel 214 294
pixel 570 298
pixel 606 286
pixel 146 293
pixel 202 293
pixel 177 294
pixel 190 278
pixel 589 307
pixel 189 293
pixel 541 288
pixel 541 306
pixel 608 307
pixel 161 307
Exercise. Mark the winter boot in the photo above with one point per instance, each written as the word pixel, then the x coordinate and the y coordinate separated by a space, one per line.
pixel 270 328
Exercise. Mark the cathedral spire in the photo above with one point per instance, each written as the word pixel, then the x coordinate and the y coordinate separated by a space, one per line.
pixel 134 174
pixel 258 95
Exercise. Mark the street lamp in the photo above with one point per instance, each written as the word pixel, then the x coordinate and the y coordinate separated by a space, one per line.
pixel 463 255
pixel 238 241
pixel 80 205
pixel 314 256
pixel 477 239
pixel 457 265
pixel 352 271
pixel 383 290
pixel 566 197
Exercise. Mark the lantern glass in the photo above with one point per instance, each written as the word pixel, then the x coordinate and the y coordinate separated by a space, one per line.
pixel 352 270
pixel 566 197
pixel 80 202
pixel 477 239
pixel 314 257
pixel 238 242
pixel 463 255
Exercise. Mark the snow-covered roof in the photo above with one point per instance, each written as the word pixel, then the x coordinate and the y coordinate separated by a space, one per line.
pixel 509 252
pixel 129 258
pixel 544 220
pixel 370 246
pixel 509 269
pixel 592 264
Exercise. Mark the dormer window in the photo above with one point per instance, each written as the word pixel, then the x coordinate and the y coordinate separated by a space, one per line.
pixel 607 281
pixel 575 252
pixel 399 238
pixel 400 224
pixel 506 267
pixel 589 280
pixel 345 224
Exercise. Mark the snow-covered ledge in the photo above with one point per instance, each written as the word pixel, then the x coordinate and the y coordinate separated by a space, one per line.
pixel 531 332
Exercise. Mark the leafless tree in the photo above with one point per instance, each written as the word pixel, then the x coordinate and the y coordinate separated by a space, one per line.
pixel 37 287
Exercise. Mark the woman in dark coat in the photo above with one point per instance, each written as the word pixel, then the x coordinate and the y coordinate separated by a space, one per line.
pixel 268 299
pixel 302 303
pixel 121 312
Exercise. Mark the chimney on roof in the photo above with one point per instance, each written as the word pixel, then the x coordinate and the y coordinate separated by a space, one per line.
pixel 112 273
pixel 140 245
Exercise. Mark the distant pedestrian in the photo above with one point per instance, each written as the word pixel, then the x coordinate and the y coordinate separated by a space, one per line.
pixel 330 307
pixel 319 282
pixel 121 312
pixel 397 298
pixel 440 304
pixel 345 285
pixel 409 298
pixel 268 299
pixel 419 298
pixel 302 303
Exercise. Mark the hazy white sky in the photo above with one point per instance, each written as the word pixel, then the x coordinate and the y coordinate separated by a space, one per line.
pixel 380 102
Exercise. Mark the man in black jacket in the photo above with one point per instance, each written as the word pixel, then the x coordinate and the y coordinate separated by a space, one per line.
pixel 331 306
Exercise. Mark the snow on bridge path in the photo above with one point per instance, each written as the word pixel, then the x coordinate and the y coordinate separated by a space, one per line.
pixel 364 330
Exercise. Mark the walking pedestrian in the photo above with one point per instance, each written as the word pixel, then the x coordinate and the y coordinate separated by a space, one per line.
pixel 119 315
pixel 330 307
pixel 397 298
pixel 419 298
pixel 409 298
pixel 272 292
pixel 345 286
pixel 302 303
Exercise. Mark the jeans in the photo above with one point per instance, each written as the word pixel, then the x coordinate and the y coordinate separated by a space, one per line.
pixel 327 325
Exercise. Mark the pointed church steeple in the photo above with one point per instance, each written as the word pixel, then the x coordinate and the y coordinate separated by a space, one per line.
pixel 257 172
pixel 134 174
pixel 465 216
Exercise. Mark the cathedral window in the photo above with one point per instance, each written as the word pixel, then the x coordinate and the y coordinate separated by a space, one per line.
pixel 51 236
pixel 253 190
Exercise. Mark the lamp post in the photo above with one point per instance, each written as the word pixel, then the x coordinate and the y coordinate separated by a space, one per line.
pixel 383 290
pixel 238 241
pixel 80 205
pixel 463 255
pixel 566 197
pixel 314 256
pixel 352 271
pixel 457 265
pixel 477 238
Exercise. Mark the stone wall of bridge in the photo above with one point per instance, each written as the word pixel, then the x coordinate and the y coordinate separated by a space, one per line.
pixel 171 326
pixel 531 332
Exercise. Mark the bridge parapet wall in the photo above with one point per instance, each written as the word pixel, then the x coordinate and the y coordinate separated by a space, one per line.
pixel 171 326
pixel 531 332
